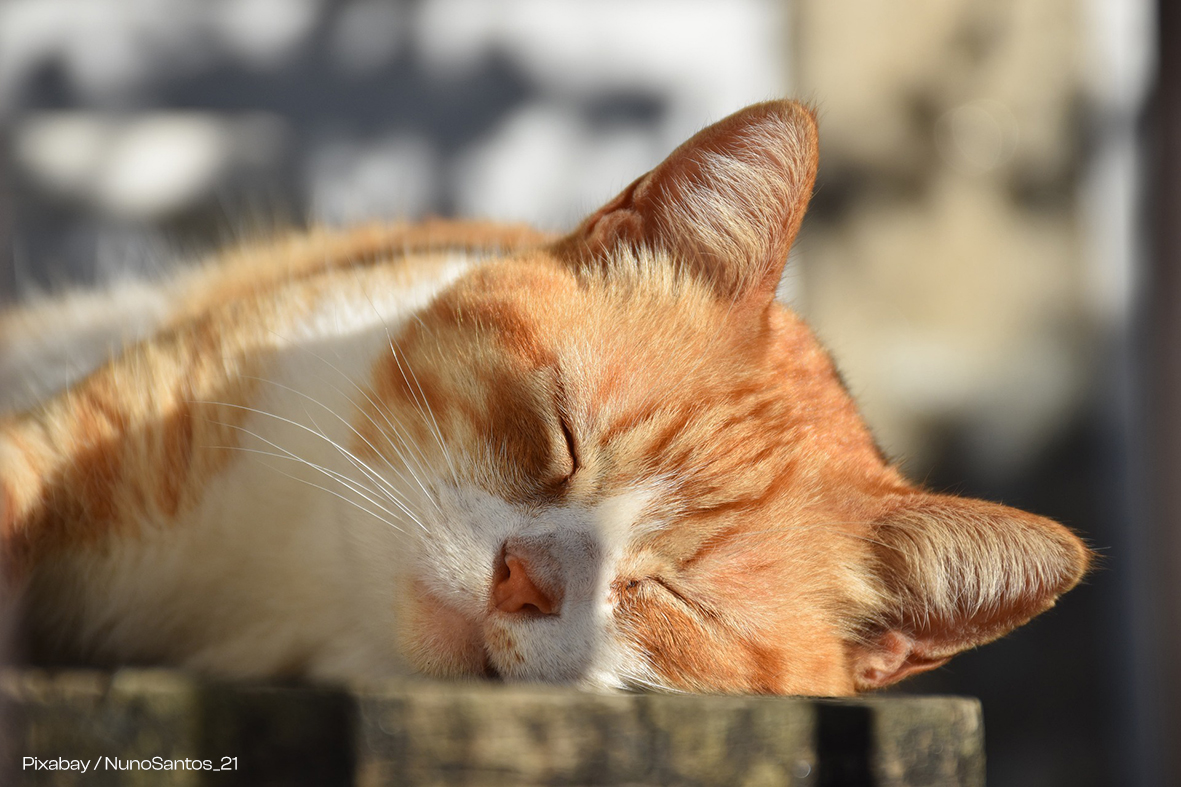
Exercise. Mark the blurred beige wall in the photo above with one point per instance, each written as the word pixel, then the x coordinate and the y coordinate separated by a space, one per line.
pixel 945 260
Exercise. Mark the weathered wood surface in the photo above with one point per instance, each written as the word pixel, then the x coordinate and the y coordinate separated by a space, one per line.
pixel 426 733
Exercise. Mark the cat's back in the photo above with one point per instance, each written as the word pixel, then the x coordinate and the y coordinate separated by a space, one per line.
pixel 51 341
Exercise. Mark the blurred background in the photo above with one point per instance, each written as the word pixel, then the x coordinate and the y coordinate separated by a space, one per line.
pixel 991 255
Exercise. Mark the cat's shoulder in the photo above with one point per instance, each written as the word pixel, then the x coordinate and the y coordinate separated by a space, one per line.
pixel 52 340
pixel 410 249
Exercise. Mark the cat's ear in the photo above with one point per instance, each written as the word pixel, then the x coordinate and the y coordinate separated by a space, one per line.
pixel 958 573
pixel 726 204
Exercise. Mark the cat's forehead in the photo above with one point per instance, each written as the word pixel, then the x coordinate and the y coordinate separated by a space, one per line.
pixel 636 304
pixel 656 364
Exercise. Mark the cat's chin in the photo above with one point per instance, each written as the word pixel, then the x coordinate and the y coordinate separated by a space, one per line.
pixel 445 642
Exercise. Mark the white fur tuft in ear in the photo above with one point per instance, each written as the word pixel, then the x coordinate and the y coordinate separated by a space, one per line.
pixel 725 205
pixel 960 573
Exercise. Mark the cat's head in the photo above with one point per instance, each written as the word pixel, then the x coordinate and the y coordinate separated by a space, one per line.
pixel 639 469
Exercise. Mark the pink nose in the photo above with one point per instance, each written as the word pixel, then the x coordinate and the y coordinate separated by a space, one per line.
pixel 513 589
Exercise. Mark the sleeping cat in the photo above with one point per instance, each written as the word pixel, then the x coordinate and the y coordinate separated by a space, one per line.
pixel 609 459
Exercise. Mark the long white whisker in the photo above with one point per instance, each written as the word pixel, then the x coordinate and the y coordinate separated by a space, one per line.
pixel 417 480
pixel 351 484
pixel 423 407
pixel 320 435
pixel 393 494
pixel 390 339
pixel 420 460
pixel 293 458
pixel 353 503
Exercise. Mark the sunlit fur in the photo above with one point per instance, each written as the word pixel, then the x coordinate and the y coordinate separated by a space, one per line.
pixel 317 457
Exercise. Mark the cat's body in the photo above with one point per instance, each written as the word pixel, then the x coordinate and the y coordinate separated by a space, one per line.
pixel 459 449
pixel 231 592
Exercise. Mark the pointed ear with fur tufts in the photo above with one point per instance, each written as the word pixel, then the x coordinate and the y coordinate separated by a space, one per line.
pixel 958 573
pixel 725 205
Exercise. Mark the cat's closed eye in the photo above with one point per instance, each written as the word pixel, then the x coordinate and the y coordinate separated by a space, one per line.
pixel 571 444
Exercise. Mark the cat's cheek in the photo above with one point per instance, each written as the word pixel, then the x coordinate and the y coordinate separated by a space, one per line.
pixel 441 641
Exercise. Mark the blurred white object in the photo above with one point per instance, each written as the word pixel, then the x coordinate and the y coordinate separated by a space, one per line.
pixel 707 57
pixel 141 167
pixel 395 176
pixel 544 167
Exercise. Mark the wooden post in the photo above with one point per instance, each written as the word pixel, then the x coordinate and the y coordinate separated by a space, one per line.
pixel 129 727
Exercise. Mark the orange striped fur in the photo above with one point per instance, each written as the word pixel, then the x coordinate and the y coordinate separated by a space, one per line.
pixel 609 458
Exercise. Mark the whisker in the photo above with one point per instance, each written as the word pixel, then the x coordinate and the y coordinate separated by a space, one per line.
pixel 340 478
pixel 390 339
pixel 423 406
pixel 393 494
pixel 296 424
pixel 413 457
pixel 420 460
pixel 393 469
pixel 376 516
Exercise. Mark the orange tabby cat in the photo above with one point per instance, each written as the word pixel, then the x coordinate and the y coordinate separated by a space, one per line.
pixel 461 449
